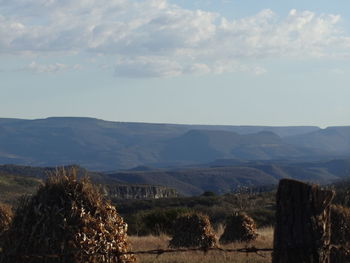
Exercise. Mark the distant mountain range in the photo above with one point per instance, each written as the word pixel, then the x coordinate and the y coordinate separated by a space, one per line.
pixel 108 146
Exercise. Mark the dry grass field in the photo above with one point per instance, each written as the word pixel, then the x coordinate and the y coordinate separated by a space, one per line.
pixel 264 240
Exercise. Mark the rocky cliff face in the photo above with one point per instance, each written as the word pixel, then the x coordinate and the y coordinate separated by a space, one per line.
pixel 25 179
pixel 139 191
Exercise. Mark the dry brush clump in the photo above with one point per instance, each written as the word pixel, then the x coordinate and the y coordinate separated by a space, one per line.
pixel 68 217
pixel 5 217
pixel 239 228
pixel 193 230
pixel 340 233
pixel 5 220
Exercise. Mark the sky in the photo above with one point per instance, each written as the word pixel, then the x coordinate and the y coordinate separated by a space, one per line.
pixel 252 62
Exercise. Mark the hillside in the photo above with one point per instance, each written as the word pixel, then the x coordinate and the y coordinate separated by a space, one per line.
pixel 223 178
pixel 198 146
pixel 106 146
pixel 332 139
pixel 16 181
pixel 195 181
pixel 13 186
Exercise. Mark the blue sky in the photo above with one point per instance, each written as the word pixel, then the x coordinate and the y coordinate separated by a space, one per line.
pixel 177 61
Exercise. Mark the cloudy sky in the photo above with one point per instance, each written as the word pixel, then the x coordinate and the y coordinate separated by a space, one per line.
pixel 251 62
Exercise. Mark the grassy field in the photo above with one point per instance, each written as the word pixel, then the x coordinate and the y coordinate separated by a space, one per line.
pixel 12 187
pixel 264 240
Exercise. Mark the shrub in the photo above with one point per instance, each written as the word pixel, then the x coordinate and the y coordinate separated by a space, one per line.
pixel 208 193
pixel 154 222
pixel 136 224
pixel 193 230
pixel 263 217
pixel 162 220
pixel 69 217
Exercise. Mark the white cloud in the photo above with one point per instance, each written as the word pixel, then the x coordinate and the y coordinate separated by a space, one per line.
pixel 147 67
pixel 48 68
pixel 152 67
pixel 152 38
pixel 35 67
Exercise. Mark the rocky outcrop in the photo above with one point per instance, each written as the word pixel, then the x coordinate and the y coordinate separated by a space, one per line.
pixel 139 191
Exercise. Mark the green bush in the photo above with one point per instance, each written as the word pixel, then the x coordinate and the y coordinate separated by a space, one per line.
pixel 154 222
pixel 263 216
pixel 208 193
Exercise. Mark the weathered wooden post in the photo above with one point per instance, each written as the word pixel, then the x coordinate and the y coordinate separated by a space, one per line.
pixel 302 233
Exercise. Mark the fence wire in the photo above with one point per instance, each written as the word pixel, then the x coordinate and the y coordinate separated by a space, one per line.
pixel 156 252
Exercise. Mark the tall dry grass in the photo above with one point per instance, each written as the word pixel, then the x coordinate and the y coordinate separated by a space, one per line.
pixel 264 240
pixel 66 216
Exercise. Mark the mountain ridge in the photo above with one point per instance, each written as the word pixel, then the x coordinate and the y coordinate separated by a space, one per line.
pixel 191 181
pixel 106 145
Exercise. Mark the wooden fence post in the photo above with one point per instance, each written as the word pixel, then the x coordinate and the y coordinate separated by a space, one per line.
pixel 302 232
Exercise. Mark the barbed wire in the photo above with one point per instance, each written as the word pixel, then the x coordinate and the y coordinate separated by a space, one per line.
pixel 157 252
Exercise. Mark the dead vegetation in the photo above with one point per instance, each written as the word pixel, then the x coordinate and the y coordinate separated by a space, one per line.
pixel 5 217
pixel 193 230
pixel 68 217
pixel 239 228
pixel 340 233
pixel 5 220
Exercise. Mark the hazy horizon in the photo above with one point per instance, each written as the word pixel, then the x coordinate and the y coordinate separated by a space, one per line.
pixel 173 123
